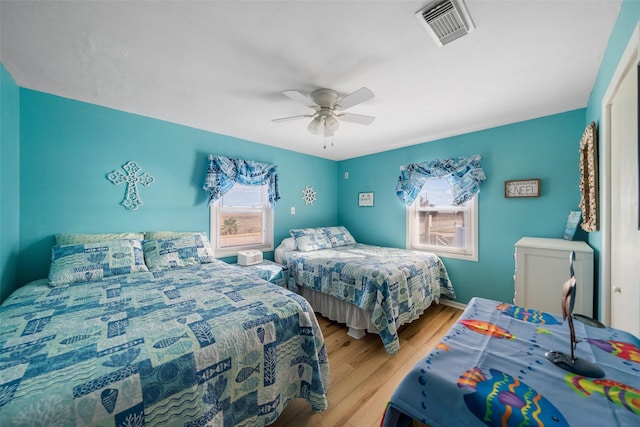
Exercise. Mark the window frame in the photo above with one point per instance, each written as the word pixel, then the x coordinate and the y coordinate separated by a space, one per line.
pixel 268 226
pixel 469 253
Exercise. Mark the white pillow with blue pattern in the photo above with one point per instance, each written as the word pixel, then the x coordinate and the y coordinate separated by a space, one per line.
pixel 92 261
pixel 310 239
pixel 339 236
pixel 182 251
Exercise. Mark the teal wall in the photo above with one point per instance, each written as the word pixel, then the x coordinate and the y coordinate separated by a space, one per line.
pixel 67 148
pixel 545 148
pixel 55 154
pixel 625 25
pixel 9 183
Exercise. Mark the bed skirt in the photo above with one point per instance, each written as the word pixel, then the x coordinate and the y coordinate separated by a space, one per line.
pixel 357 320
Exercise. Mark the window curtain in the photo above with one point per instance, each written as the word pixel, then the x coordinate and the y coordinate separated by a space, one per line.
pixel 223 173
pixel 463 173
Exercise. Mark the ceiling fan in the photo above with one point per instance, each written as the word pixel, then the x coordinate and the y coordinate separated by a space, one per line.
pixel 329 109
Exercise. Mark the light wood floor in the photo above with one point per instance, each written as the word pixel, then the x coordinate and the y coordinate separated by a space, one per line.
pixel 363 375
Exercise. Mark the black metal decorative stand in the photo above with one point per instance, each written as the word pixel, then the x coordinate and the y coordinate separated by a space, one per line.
pixel 570 362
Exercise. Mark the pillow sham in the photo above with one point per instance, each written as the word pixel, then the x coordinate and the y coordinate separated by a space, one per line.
pixel 288 243
pixel 156 235
pixel 339 236
pixel 310 239
pixel 183 251
pixel 82 238
pixel 93 261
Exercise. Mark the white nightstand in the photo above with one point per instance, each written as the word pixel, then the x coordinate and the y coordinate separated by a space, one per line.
pixel 542 267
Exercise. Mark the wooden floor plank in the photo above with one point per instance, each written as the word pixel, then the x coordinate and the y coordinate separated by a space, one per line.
pixel 363 375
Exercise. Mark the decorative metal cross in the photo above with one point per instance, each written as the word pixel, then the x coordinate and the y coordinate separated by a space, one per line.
pixel 131 198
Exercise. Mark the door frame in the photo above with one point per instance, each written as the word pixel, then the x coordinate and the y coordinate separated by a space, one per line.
pixel 628 63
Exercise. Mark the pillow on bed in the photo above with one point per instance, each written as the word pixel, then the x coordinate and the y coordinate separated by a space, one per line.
pixel 288 244
pixel 310 239
pixel 93 261
pixel 81 239
pixel 339 236
pixel 155 235
pixel 183 251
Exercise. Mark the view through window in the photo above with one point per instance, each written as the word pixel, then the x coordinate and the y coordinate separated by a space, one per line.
pixel 242 219
pixel 437 225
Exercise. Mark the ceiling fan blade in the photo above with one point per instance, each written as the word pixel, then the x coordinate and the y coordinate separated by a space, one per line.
pixel 286 119
pixel 361 95
pixel 303 99
pixel 356 118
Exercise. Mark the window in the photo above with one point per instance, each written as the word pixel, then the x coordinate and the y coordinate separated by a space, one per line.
pixel 436 225
pixel 241 219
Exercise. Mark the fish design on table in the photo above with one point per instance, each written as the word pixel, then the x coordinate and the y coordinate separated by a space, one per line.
pixel 487 328
pixel 621 349
pixel 504 401
pixel 166 342
pixel 442 346
pixel 246 373
pixel 527 314
pixel 616 392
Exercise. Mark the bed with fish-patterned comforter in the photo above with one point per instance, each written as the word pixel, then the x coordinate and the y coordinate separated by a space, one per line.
pixel 393 286
pixel 203 345
pixel 491 369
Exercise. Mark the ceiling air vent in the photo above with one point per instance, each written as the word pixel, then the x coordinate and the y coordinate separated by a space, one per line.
pixel 446 20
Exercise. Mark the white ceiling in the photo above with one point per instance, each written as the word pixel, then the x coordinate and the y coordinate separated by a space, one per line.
pixel 221 65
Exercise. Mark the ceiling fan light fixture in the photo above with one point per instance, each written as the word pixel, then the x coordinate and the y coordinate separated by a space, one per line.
pixel 329 109
pixel 331 123
pixel 316 125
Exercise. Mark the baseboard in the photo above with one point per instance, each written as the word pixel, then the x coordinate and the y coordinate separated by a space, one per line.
pixel 453 304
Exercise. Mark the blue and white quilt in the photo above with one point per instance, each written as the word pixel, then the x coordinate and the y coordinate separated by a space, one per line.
pixel 202 345
pixel 394 285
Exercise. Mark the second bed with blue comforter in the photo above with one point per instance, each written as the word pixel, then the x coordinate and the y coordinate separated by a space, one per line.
pixel 393 285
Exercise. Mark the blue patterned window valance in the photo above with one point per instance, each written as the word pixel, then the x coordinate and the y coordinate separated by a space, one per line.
pixel 464 174
pixel 223 173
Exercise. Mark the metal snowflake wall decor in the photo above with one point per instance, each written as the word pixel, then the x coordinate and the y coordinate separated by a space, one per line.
pixel 131 199
pixel 309 195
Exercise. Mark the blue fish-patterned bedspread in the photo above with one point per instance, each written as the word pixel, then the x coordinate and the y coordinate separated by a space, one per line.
pixel 491 369
pixel 205 345
pixel 394 285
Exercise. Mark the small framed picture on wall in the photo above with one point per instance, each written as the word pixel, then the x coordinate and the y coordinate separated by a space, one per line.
pixel 365 199
pixel 522 188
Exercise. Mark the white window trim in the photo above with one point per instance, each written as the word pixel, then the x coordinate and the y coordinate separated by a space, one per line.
pixel 472 235
pixel 232 251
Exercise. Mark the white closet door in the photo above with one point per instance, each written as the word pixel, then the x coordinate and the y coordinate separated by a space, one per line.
pixel 625 237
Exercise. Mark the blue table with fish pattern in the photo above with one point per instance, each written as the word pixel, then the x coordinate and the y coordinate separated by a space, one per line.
pixel 491 369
